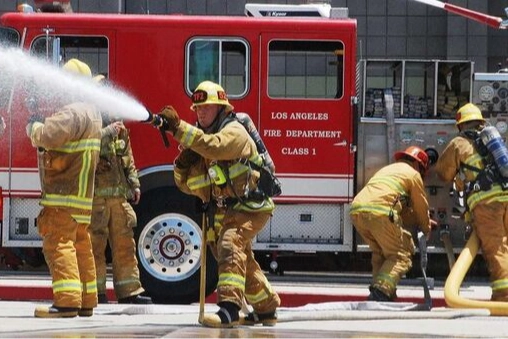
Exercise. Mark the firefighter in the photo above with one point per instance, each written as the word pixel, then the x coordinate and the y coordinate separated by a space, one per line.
pixel 378 213
pixel 213 166
pixel 113 218
pixel 68 144
pixel 486 202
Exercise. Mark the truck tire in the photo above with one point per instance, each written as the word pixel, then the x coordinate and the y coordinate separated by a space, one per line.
pixel 168 239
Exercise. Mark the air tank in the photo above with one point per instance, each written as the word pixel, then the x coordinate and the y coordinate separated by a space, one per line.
pixel 247 122
pixel 492 139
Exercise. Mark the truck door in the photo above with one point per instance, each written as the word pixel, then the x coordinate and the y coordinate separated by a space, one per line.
pixel 305 116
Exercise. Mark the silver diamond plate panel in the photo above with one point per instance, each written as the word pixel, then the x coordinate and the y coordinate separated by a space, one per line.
pixel 305 223
pixel 22 218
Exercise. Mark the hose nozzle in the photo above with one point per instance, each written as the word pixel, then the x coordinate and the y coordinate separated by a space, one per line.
pixel 158 122
pixel 152 119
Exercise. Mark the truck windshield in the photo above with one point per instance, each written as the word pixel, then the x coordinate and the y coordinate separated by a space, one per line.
pixel 8 37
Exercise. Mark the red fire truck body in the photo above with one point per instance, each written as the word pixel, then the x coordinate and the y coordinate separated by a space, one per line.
pixel 295 77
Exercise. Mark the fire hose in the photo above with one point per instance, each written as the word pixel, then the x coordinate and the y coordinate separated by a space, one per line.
pixel 456 277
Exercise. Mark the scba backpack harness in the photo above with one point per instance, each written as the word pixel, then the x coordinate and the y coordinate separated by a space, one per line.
pixel 490 146
pixel 268 184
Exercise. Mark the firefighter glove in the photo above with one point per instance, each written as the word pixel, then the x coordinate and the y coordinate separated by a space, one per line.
pixel 170 119
pixel 187 158
pixel 137 196
pixel 113 129
pixel 31 126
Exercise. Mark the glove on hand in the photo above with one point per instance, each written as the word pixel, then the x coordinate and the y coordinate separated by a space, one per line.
pixel 170 119
pixel 113 129
pixel 187 158
pixel 31 126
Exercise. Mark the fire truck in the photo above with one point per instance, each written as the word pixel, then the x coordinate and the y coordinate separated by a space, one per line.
pixel 328 120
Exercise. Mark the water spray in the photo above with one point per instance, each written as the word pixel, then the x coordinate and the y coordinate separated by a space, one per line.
pixel 49 87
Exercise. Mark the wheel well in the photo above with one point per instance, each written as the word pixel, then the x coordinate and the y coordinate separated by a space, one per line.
pixel 156 177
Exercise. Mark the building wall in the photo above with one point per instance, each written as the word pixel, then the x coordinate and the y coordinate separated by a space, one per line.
pixel 386 28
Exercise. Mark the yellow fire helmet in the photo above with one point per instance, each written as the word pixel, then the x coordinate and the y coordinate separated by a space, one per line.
pixel 99 78
pixel 468 112
pixel 209 92
pixel 78 67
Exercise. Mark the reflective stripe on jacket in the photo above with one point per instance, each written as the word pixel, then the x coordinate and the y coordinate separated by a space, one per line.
pixel 450 167
pixel 69 145
pixel 230 148
pixel 396 187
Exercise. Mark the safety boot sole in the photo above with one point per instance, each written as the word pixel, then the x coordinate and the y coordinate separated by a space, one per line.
pixel 52 312
pixel 213 320
pixel 85 312
pixel 252 319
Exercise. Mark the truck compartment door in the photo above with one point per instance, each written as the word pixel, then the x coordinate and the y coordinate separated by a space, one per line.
pixel 306 116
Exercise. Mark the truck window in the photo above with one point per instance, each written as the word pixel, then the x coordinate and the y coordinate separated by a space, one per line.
pixel 8 37
pixel 91 50
pixel 305 69
pixel 224 61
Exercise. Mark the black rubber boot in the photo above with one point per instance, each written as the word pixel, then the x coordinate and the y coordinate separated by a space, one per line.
pixel 102 298
pixel 253 318
pixel 55 312
pixel 85 312
pixel 135 299
pixel 228 316
pixel 378 295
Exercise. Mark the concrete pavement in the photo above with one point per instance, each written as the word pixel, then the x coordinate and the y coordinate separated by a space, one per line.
pixel 313 306
pixel 295 289
pixel 327 320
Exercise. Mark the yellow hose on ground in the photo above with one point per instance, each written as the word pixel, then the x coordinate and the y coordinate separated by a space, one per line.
pixel 456 277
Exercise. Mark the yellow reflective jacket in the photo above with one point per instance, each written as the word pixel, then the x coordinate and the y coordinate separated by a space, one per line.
pixel 230 148
pixel 116 174
pixel 396 188
pixel 461 151
pixel 69 145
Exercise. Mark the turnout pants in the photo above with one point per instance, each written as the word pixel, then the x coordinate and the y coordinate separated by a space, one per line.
pixel 392 249
pixel 68 253
pixel 239 273
pixel 113 220
pixel 490 221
